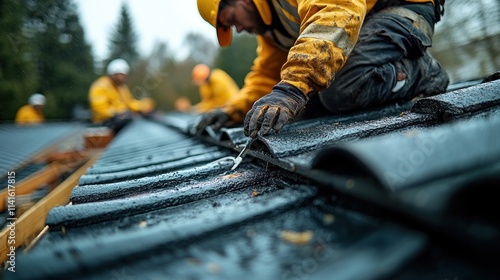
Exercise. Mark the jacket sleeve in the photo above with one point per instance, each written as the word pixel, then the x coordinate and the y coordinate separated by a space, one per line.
pixel 265 73
pixel 100 103
pixel 223 87
pixel 204 104
pixel 328 33
pixel 132 103
pixel 220 88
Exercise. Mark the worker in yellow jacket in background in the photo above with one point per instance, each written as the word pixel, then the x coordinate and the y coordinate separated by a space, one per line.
pixel 215 86
pixel 111 102
pixel 337 55
pixel 32 113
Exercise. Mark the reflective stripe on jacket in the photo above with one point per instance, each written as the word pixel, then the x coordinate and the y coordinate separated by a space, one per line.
pixel 314 43
pixel 107 100
pixel 214 93
pixel 28 115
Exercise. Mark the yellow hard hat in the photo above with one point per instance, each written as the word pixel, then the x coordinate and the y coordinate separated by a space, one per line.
pixel 201 72
pixel 209 10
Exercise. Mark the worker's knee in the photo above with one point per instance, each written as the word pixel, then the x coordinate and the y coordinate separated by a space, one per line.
pixel 354 92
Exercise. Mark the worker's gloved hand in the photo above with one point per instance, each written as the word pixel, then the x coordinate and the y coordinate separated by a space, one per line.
pixel 274 110
pixel 216 119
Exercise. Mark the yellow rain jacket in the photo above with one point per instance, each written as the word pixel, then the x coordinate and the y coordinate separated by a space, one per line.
pixel 214 93
pixel 107 100
pixel 318 38
pixel 28 115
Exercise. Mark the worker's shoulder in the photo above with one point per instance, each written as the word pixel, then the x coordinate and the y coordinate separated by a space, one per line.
pixel 24 109
pixel 216 72
pixel 103 81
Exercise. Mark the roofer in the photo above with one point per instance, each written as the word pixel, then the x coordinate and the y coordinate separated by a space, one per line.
pixel 111 101
pixel 215 87
pixel 32 113
pixel 346 55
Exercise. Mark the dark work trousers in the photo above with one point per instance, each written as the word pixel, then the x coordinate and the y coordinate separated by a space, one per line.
pixel 369 76
pixel 119 121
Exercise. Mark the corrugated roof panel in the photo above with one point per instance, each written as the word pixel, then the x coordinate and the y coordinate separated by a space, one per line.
pixel 169 196
pixel 398 161
pixel 20 143
pixel 196 219
pixel 462 101
pixel 240 233
pixel 294 142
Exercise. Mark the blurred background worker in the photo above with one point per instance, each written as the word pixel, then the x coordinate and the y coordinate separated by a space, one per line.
pixel 182 104
pixel 111 101
pixel 32 113
pixel 215 86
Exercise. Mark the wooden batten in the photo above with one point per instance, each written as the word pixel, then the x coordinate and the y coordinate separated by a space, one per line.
pixel 45 176
pixel 30 223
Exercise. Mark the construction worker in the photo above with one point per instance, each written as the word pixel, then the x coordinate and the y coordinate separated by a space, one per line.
pixel 215 86
pixel 32 113
pixel 182 104
pixel 111 101
pixel 345 55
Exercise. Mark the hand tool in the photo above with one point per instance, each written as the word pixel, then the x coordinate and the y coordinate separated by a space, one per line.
pixel 243 152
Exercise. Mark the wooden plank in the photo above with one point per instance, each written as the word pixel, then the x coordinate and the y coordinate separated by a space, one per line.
pixel 67 156
pixel 61 143
pixel 33 182
pixel 33 220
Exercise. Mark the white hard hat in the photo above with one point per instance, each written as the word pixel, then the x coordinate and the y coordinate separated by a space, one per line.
pixel 37 99
pixel 118 66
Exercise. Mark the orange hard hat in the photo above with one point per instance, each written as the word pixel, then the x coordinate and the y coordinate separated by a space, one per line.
pixel 201 72
pixel 209 10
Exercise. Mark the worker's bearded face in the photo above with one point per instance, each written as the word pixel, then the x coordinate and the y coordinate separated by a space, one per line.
pixel 244 16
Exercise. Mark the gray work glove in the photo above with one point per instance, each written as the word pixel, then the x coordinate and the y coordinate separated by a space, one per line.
pixel 274 110
pixel 215 118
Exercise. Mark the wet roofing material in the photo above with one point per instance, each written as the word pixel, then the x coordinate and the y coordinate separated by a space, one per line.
pixel 21 143
pixel 405 193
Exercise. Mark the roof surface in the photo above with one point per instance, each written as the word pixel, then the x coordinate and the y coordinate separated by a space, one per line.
pixel 403 192
pixel 20 143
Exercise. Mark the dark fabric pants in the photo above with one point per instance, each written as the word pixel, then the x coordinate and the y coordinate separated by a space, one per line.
pixel 119 121
pixel 370 74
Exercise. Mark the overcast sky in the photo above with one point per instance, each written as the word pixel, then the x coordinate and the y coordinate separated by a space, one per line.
pixel 154 21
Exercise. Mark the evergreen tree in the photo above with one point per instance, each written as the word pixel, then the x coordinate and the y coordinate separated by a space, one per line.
pixel 155 76
pixel 65 63
pixel 123 42
pixel 200 48
pixel 17 70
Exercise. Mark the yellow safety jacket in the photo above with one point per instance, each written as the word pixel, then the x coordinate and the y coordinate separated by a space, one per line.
pixel 28 115
pixel 107 100
pixel 318 38
pixel 219 88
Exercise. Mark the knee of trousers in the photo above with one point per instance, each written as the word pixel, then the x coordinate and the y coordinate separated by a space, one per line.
pixel 352 92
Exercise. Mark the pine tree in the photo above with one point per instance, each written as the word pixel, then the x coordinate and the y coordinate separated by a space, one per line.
pixel 123 42
pixel 65 63
pixel 17 70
